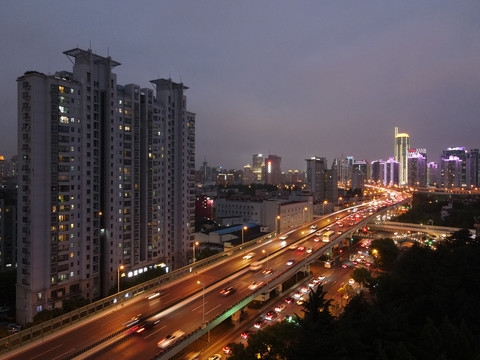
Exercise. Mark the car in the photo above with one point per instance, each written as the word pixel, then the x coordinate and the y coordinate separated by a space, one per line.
pixel 227 350
pixel 260 323
pixel 267 271
pixel 246 334
pixel 290 262
pixel 254 285
pixel 170 339
pixel 146 325
pixel 315 281
pixel 312 284
pixel 288 300
pixel 297 295
pixel 154 295
pixel 279 308
pixel 304 289
pixel 300 248
pixel 215 357
pixel 271 315
pixel 313 227
pixel 344 266
pixel 339 233
pixel 284 237
pixel 309 250
pixel 133 321
pixel 300 302
pixel 316 239
pixel 293 247
pixel 227 291
pixel 321 277
pixel 249 256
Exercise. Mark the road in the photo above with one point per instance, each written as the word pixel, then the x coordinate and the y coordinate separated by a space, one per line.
pixel 180 305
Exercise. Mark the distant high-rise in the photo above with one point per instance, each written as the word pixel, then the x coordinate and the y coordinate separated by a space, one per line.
pixel 106 179
pixel 461 153
pixel 417 170
pixel 390 172
pixel 257 161
pixel 473 168
pixel 402 145
pixel 321 181
pixel 273 170
pixel 432 174
pixel 451 172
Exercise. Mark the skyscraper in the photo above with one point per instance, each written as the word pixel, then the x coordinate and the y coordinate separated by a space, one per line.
pixel 402 145
pixel 257 161
pixel 106 179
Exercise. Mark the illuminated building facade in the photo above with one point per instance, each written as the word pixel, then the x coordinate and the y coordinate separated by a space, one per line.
pixel 402 145
pixel 273 170
pixel 106 178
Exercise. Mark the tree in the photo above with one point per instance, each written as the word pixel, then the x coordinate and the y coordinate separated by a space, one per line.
pixel 385 252
pixel 363 277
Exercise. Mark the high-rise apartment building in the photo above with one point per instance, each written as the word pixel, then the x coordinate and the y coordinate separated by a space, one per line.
pixel 390 172
pixel 106 178
pixel 402 145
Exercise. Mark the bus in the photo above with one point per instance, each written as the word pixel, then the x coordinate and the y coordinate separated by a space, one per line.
pixel 328 236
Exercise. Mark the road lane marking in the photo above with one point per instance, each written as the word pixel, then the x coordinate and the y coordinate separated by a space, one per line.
pixel 213 308
pixel 153 333
pixel 199 306
pixel 46 351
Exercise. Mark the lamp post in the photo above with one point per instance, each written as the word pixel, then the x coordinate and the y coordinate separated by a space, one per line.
pixel 121 267
pixel 203 302
pixel 324 203
pixel 243 233
pixel 196 243
pixel 304 213
pixel 278 224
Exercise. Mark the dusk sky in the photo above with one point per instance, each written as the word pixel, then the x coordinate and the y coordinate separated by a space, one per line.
pixel 290 78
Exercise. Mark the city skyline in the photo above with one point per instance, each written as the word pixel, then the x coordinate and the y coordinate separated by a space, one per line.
pixel 318 80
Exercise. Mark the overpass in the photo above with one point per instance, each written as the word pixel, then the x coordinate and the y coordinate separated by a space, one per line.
pixel 79 333
pixel 441 231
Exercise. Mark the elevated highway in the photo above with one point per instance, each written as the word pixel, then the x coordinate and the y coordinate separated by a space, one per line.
pixel 182 303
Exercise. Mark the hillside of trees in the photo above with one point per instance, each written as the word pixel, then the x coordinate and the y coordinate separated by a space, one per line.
pixel 424 307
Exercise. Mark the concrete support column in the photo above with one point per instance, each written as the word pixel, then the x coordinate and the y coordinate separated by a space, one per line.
pixel 236 317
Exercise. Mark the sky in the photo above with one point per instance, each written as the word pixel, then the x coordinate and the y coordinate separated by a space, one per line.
pixel 289 78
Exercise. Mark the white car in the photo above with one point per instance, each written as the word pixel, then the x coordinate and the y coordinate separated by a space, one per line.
pixel 170 339
pixel 254 285
pixel 279 308
pixel 249 256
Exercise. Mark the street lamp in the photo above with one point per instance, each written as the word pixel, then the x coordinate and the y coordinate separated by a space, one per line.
pixel 278 224
pixel 121 267
pixel 196 243
pixel 243 235
pixel 203 302
pixel 304 213
pixel 324 203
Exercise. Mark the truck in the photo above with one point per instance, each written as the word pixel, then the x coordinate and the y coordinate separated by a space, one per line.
pixel 327 236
